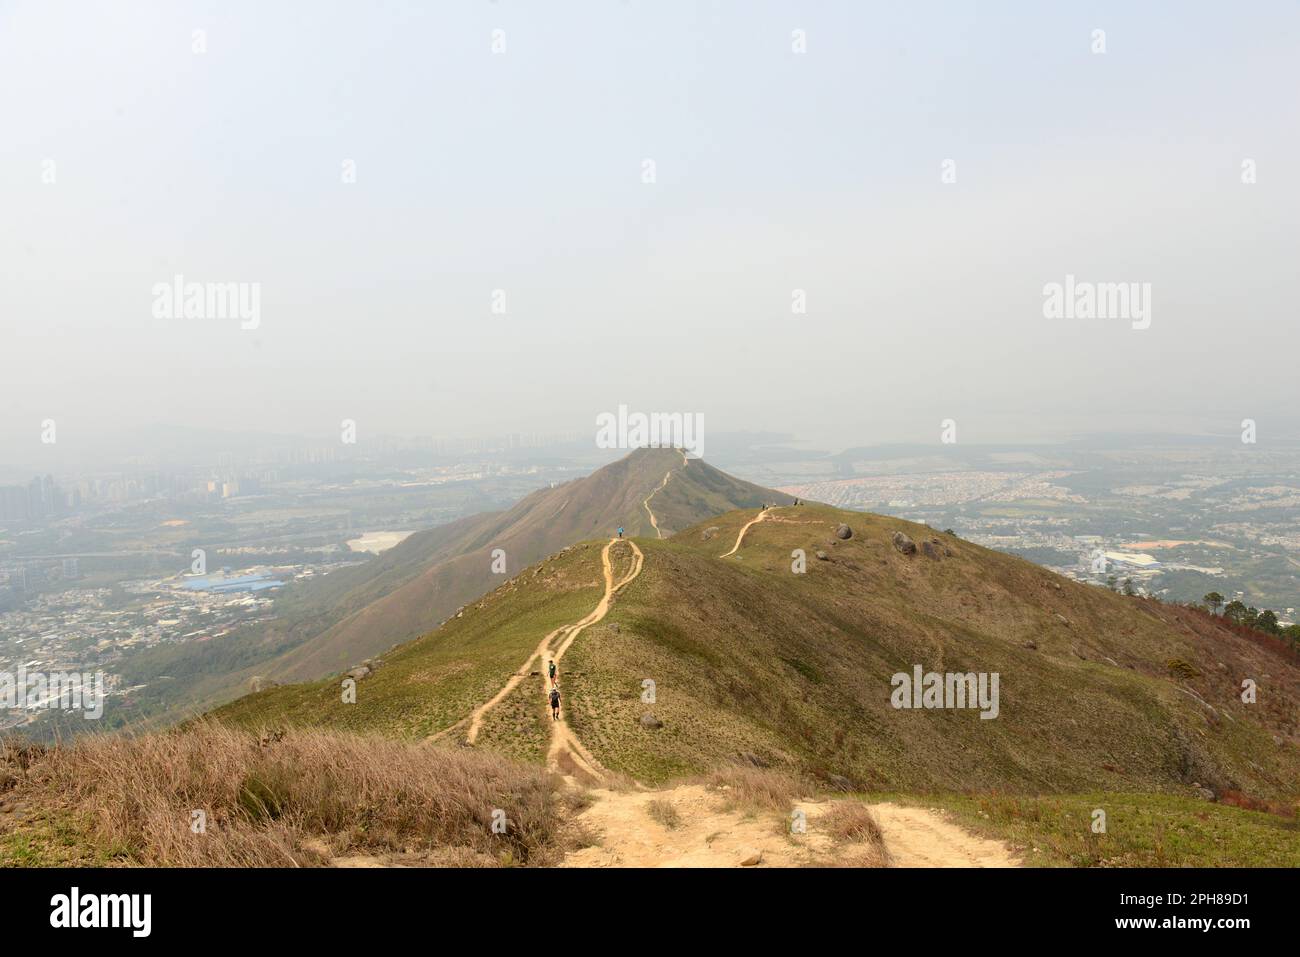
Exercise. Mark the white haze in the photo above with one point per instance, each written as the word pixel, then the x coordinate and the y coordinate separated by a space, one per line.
pixel 521 171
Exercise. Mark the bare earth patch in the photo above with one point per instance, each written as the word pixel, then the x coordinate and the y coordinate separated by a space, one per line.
pixel 917 837
pixel 709 829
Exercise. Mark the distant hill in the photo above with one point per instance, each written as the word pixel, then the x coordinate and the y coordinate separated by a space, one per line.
pixel 753 661
pixel 413 587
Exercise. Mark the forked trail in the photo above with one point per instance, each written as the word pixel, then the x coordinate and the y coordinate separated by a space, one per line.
pixel 564 746
pixel 714 834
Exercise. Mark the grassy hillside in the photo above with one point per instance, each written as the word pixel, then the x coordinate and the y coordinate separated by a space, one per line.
pixel 1142 830
pixel 1097 691
pixel 428 685
pixel 331 623
pixel 412 592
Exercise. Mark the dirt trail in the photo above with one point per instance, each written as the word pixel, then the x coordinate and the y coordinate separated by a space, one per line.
pixel 704 831
pixel 539 653
pixel 654 523
pixel 566 751
pixel 741 537
pixel 564 746
pixel 918 837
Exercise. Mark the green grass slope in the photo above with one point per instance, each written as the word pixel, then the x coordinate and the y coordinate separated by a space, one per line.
pixel 1096 690
pixel 751 660
pixel 428 685
pixel 1142 830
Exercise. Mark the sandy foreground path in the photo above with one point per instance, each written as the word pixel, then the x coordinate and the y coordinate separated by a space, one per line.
pixel 920 837
pixel 703 830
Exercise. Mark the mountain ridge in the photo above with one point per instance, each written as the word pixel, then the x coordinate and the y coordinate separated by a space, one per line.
pixel 750 660
pixel 456 562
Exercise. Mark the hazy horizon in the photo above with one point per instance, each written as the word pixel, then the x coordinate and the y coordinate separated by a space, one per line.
pixel 132 159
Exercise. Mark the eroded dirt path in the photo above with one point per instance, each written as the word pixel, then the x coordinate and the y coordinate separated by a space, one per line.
pixel 703 832
pixel 918 837
pixel 654 522
pixel 539 653
pixel 565 633
pixel 566 752
pixel 695 826
pixel 746 527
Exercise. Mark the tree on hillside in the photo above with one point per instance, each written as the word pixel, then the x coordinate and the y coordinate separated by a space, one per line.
pixel 1128 587
pixel 1267 621
pixel 1234 611
pixel 1215 601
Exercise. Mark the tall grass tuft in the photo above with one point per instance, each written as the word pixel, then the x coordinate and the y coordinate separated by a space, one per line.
pixel 293 800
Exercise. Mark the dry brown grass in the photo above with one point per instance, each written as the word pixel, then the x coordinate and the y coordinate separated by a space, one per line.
pixel 617 781
pixel 294 801
pixel 849 822
pixel 664 813
pixel 765 789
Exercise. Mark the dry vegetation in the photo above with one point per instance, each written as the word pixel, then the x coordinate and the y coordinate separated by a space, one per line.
pixel 662 811
pixel 851 823
pixel 759 789
pixel 292 801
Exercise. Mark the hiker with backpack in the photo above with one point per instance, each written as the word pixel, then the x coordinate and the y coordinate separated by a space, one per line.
pixel 555 704
pixel 551 672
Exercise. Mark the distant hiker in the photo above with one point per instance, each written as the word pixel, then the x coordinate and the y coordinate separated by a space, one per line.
pixel 551 672
pixel 555 704
pixel 620 531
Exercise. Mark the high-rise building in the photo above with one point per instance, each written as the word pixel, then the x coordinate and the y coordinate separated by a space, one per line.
pixel 13 503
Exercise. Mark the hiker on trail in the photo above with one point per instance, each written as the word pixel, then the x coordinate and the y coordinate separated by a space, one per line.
pixel 620 531
pixel 555 704
pixel 551 672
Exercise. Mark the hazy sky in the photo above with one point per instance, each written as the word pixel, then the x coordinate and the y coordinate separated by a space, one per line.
pixel 522 171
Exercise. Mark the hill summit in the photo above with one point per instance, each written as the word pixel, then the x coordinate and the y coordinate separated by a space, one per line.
pixel 412 588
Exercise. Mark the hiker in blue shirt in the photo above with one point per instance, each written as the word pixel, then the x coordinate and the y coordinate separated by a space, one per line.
pixel 620 531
